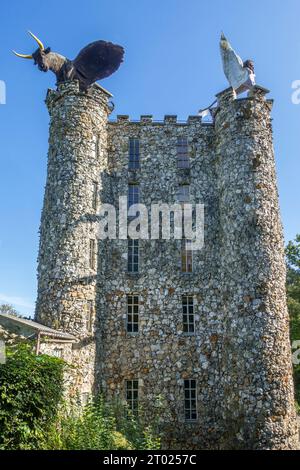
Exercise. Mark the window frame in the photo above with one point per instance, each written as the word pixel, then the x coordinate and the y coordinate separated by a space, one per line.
pixel 92 254
pixel 183 158
pixel 95 195
pixel 184 193
pixel 187 258
pixel 190 396
pixel 188 302
pixel 133 310
pixel 90 316
pixel 133 256
pixel 133 194
pixel 132 388
pixel 134 153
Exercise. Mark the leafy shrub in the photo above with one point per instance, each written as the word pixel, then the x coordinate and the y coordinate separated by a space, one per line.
pixel 100 426
pixel 31 388
pixel 293 300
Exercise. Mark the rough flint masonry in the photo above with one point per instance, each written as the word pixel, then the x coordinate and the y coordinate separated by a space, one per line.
pixel 233 289
pixel 177 221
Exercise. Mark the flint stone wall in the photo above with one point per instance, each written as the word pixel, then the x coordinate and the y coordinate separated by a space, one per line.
pixel 240 352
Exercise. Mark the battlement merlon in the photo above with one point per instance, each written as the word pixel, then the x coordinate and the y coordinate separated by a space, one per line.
pixel 71 90
pixel 258 93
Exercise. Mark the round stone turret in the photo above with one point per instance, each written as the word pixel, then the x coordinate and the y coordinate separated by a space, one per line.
pixel 257 402
pixel 67 263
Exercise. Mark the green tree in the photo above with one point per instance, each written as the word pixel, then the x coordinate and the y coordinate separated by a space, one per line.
pixel 31 388
pixel 293 299
pixel 8 308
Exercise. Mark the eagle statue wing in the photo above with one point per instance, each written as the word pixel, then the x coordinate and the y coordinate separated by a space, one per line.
pixel 235 71
pixel 98 60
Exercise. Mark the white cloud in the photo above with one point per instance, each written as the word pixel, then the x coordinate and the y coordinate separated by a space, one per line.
pixel 17 301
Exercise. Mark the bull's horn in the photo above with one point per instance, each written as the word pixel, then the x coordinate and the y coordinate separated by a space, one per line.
pixel 24 56
pixel 41 45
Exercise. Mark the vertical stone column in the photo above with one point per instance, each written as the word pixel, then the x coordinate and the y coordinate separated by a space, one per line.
pixel 257 409
pixel 77 158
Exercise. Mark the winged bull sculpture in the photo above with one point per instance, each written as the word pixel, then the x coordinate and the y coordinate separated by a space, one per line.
pixel 239 74
pixel 94 62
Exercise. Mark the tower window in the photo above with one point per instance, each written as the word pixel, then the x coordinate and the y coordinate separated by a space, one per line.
pixel 190 400
pixel 132 395
pixel 134 154
pixel 186 257
pixel 133 194
pixel 183 193
pixel 188 316
pixel 133 256
pixel 97 146
pixel 90 316
pixel 92 253
pixel 57 352
pixel 183 160
pixel 132 313
pixel 95 195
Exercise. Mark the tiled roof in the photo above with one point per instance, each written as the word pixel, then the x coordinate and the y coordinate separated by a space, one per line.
pixel 45 330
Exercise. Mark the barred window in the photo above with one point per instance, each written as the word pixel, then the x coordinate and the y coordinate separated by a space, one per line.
pixel 190 400
pixel 183 193
pixel 58 352
pixel 186 257
pixel 132 395
pixel 134 154
pixel 90 316
pixel 133 194
pixel 95 195
pixel 133 256
pixel 92 253
pixel 132 313
pixel 188 314
pixel 97 146
pixel 183 160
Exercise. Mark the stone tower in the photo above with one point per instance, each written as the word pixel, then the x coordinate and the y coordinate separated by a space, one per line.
pixel 225 374
pixel 257 386
pixel 67 264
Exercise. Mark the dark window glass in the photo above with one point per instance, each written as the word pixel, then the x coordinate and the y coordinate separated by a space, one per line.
pixel 133 194
pixel 92 254
pixel 132 314
pixel 190 400
pixel 186 257
pixel 183 160
pixel 188 314
pixel 134 154
pixel 132 395
pixel 133 256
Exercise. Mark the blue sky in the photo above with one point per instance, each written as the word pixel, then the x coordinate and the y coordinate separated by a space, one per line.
pixel 172 66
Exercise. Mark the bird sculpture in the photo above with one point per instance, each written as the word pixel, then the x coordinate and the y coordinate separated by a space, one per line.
pixel 94 62
pixel 239 74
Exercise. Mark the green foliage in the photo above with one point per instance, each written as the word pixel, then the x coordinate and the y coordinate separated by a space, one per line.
pixel 8 308
pixel 100 426
pixel 32 415
pixel 293 300
pixel 31 387
pixel 293 254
